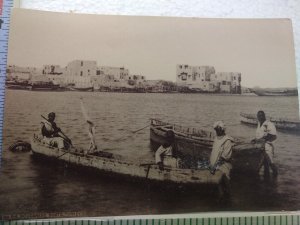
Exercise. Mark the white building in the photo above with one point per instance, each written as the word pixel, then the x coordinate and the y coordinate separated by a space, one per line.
pixel 80 72
pixel 21 74
pixel 136 80
pixel 54 70
pixel 119 73
pixel 184 74
pixel 195 77
pixel 205 78
pixel 229 82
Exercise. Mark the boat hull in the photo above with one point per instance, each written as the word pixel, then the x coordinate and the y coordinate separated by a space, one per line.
pixel 276 93
pixel 82 89
pixel 280 124
pixel 117 166
pixel 44 87
pixel 18 87
pixel 246 157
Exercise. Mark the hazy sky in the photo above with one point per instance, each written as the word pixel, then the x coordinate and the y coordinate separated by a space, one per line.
pixel 262 50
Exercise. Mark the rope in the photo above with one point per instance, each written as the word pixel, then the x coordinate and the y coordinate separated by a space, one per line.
pixel 132 132
pixel 140 129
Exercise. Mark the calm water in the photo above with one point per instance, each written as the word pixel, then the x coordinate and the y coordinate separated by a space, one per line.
pixel 27 185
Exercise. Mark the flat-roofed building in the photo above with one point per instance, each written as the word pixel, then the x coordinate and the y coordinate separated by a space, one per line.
pixel 194 77
pixel 205 79
pixel 80 71
pixel 119 73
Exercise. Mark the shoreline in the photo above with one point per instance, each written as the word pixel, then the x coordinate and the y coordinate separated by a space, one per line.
pixel 151 92
pixel 136 91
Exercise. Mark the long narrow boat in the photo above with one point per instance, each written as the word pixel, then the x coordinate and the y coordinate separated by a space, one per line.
pixel 246 157
pixel 109 163
pixel 281 124
pixel 276 93
pixel 81 88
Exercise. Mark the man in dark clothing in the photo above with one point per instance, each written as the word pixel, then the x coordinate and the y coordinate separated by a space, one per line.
pixel 53 134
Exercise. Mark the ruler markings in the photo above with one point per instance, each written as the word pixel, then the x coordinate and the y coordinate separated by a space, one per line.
pixel 237 220
pixel 6 6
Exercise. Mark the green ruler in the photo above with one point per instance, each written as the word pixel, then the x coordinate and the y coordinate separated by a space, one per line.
pixel 188 219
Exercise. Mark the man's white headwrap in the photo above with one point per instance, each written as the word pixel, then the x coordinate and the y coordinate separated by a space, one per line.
pixel 219 124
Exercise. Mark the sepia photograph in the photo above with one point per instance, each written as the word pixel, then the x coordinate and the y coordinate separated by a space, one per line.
pixel 136 115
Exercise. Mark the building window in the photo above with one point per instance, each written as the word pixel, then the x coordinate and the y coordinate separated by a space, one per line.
pixel 180 66
pixel 81 63
pixel 223 82
pixel 98 72
pixel 81 73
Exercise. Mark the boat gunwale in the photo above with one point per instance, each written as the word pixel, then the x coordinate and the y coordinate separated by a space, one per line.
pixel 272 119
pixel 201 140
pixel 115 160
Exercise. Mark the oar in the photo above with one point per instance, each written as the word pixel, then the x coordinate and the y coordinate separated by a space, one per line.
pixel 148 167
pixel 62 154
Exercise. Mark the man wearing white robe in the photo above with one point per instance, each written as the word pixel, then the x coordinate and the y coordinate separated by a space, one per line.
pixel 221 151
pixel 266 132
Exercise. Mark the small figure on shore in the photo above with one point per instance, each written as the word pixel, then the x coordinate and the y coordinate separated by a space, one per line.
pixel 52 134
pixel 220 158
pixel 266 132
pixel 164 156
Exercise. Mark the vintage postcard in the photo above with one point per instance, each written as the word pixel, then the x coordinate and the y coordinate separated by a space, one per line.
pixel 128 115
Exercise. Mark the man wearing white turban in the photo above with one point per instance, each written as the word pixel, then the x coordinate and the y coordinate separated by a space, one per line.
pixel 221 151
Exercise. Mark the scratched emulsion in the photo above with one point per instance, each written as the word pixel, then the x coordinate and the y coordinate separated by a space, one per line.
pixel 31 186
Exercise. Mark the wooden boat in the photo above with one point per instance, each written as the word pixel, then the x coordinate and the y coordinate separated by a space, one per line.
pixel 291 92
pixel 110 163
pixel 44 86
pixel 197 144
pixel 81 88
pixel 280 124
pixel 18 87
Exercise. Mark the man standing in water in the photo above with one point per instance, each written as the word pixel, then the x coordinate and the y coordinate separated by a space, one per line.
pixel 52 134
pixel 221 151
pixel 266 132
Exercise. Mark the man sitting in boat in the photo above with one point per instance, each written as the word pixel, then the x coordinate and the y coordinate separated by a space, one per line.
pixel 164 155
pixel 221 151
pixel 266 132
pixel 52 134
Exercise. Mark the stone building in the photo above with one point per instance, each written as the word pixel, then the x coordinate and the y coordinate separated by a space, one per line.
pixel 80 72
pixel 206 79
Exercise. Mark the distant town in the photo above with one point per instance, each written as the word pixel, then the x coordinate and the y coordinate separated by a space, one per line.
pixel 84 75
